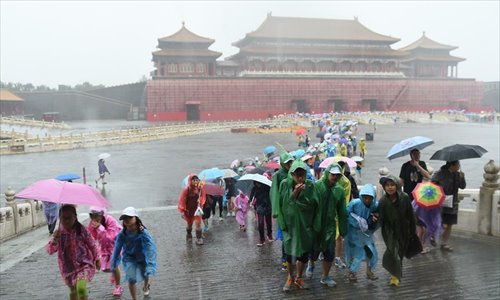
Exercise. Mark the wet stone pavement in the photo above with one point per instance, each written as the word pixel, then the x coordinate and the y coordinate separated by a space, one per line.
pixel 231 266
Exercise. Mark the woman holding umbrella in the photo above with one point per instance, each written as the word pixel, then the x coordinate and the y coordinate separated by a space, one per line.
pixel 451 179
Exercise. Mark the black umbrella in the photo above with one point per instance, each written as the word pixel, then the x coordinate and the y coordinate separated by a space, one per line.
pixel 245 186
pixel 459 152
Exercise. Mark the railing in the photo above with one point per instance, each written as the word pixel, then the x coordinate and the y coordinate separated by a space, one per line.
pixel 127 136
pixel 33 123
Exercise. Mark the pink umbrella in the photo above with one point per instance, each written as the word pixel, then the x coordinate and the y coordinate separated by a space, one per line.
pixel 53 190
pixel 250 167
pixel 324 164
pixel 272 165
pixel 213 189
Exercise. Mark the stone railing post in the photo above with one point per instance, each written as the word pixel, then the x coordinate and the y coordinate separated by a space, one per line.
pixel 9 201
pixel 486 207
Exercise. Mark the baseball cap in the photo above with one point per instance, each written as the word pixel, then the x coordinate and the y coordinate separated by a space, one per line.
pixel 130 212
pixel 335 170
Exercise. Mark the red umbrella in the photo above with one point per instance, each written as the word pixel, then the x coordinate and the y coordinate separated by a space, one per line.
pixel 428 195
pixel 213 189
pixel 300 131
pixel 272 165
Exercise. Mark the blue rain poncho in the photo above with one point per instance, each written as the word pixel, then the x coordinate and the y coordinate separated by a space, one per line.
pixel 139 255
pixel 360 231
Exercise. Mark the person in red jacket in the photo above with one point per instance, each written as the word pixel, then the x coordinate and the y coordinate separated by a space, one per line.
pixel 191 201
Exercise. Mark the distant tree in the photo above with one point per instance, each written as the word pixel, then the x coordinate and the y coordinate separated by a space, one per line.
pixel 143 78
pixel 87 86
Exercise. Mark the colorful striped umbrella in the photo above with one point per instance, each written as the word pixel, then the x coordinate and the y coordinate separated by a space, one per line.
pixel 428 195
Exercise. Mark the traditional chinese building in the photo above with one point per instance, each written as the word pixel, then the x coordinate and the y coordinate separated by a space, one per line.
pixel 428 58
pixel 306 65
pixel 184 54
pixel 10 103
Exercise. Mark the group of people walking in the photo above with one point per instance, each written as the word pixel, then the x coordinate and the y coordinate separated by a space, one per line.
pixel 102 245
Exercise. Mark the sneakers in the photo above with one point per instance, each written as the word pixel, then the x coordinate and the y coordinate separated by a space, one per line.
pixel 270 239
pixel 189 237
pixel 288 284
pixel 425 250
pixel 300 284
pixel 328 281
pixel 199 241
pixel 339 263
pixel 433 242
pixel 145 289
pixel 205 229
pixel 221 219
pixel 260 244
pixel 394 281
pixel 309 270
pixel 446 248
pixel 118 290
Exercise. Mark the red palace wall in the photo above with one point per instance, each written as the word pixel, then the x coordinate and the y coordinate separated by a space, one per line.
pixel 256 98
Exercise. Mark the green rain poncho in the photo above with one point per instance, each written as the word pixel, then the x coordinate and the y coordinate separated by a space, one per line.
pixel 331 205
pixel 296 215
pixel 398 224
pixel 277 179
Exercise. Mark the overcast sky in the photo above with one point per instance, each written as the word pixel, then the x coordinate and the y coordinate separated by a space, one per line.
pixel 110 42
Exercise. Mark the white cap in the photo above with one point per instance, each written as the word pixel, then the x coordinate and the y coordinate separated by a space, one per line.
pixel 306 157
pixel 130 212
pixel 335 170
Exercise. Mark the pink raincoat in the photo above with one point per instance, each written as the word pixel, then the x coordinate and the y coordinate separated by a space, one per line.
pixel 105 237
pixel 241 205
pixel 76 255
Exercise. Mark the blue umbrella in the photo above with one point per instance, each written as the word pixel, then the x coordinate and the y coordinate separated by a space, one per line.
pixel 68 176
pixel 404 147
pixel 211 174
pixel 298 153
pixel 269 149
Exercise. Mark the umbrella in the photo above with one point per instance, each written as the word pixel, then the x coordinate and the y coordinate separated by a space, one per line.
pixel 357 158
pixel 405 146
pixel 343 141
pixel 300 131
pixel 272 165
pixel 68 176
pixel 320 134
pixel 104 155
pixel 210 174
pixel 256 171
pixel 325 163
pixel 256 177
pixel 335 136
pixel 213 189
pixel 235 163
pixel 53 190
pixel 245 186
pixel 428 195
pixel 228 173
pixel 250 167
pixel 458 152
pixel 298 153
pixel 269 149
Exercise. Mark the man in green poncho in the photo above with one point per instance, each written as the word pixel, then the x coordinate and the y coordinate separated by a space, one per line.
pixel 331 207
pixel 398 224
pixel 345 183
pixel 297 208
pixel 286 161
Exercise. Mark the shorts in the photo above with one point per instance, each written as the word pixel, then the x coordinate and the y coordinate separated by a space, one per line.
pixel 206 212
pixel 328 254
pixel 292 259
pixel 449 219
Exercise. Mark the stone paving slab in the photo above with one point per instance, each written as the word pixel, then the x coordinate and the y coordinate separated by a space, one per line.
pixel 230 266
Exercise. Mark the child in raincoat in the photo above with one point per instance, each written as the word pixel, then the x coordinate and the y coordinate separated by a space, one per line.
pixel 135 248
pixel 191 201
pixel 104 229
pixel 362 147
pixel 77 253
pixel 358 243
pixel 297 209
pixel 241 206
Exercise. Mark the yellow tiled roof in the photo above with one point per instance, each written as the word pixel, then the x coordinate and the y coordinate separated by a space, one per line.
pixel 6 95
